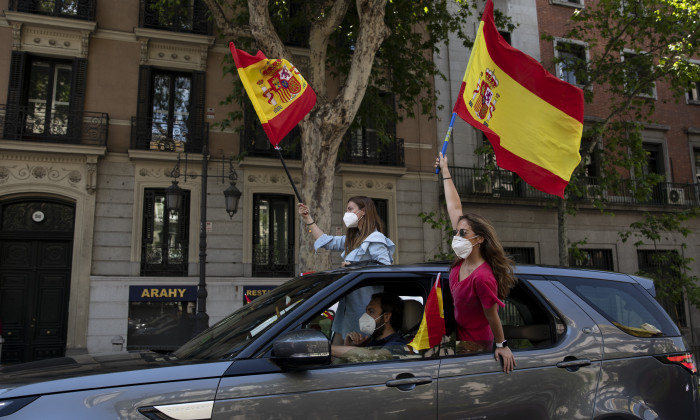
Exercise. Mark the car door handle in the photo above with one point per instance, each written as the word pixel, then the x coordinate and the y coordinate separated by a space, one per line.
pixel 407 384
pixel 572 364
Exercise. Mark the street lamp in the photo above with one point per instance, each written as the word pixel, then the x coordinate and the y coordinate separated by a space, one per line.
pixel 173 201
pixel 232 194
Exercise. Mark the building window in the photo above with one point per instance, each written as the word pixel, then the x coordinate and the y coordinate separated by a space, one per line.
pixel 694 93
pixel 571 3
pixel 170 111
pixel 506 36
pixel 640 74
pixel 165 237
pixel 292 22
pixel 659 265
pixel 597 259
pixel 190 17
pixel 372 139
pixel 571 62
pixel 273 235
pixel 45 99
pixel 521 255
pixel 74 9
pixel 696 152
pixel 383 213
pixel 254 140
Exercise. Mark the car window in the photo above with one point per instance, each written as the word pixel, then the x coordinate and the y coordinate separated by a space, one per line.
pixel 623 304
pixel 232 334
pixel 527 323
pixel 410 293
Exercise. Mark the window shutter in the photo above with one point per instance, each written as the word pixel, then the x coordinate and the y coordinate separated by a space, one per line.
pixel 77 97
pixel 197 127
pixel 14 121
pixel 142 126
pixel 149 198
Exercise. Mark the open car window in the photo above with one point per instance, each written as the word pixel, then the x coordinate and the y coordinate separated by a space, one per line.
pixel 527 324
pixel 412 294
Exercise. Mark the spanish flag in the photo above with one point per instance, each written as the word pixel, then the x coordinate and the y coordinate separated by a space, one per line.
pixel 432 326
pixel 280 95
pixel 533 120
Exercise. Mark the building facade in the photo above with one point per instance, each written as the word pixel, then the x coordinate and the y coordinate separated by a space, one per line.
pixel 106 104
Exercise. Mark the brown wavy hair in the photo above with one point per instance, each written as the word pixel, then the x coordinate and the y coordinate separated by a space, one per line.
pixel 368 224
pixel 492 251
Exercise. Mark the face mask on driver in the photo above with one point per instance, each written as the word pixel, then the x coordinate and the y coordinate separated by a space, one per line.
pixel 368 325
pixel 462 247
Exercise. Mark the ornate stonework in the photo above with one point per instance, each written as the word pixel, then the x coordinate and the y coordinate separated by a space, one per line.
pixel 32 170
pixel 271 178
pixel 369 183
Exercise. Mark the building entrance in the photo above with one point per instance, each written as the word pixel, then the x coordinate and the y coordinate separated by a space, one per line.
pixel 36 247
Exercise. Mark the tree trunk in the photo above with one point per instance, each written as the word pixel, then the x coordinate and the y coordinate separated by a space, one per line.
pixel 319 155
pixel 563 233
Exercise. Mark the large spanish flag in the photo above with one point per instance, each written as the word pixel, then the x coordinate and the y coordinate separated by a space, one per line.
pixel 432 326
pixel 280 95
pixel 533 120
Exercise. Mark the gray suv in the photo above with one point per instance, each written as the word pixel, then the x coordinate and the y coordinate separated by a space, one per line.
pixel 588 345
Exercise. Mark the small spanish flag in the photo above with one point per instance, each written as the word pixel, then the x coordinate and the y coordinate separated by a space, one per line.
pixel 280 95
pixel 533 120
pixel 432 327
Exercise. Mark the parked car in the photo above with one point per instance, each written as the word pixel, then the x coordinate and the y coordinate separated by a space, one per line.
pixel 588 345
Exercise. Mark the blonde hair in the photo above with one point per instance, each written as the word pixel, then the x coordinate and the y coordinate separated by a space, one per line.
pixel 492 251
pixel 368 224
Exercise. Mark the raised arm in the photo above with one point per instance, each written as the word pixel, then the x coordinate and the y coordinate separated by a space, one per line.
pixel 310 223
pixel 454 204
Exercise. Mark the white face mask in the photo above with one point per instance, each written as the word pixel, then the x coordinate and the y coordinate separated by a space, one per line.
pixel 368 325
pixel 350 219
pixel 462 247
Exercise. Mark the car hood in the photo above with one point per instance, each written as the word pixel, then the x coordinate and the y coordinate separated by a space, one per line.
pixel 87 371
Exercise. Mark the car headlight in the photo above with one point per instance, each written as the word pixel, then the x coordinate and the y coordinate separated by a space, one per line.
pixel 13 405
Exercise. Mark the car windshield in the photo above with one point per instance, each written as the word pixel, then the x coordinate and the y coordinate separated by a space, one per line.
pixel 229 336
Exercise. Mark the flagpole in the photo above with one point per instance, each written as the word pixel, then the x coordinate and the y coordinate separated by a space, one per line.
pixel 291 181
pixel 447 139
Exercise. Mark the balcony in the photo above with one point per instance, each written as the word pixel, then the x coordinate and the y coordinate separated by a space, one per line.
pixel 75 9
pixel 62 126
pixel 254 143
pixel 168 134
pixel 192 18
pixel 369 149
pixel 497 183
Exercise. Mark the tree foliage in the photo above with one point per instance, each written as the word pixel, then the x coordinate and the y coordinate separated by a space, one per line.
pixel 632 47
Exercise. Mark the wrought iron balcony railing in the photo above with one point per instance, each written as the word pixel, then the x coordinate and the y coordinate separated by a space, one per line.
pixel 369 149
pixel 191 18
pixel 269 262
pixel 168 134
pixel 58 126
pixel 354 149
pixel 74 9
pixel 479 182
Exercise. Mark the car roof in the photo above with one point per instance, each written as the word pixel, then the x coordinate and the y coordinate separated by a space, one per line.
pixel 524 269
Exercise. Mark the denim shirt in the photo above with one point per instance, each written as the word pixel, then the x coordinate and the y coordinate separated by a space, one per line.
pixel 376 246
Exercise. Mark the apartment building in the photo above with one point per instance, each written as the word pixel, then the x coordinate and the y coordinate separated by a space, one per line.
pixel 106 103
pixel 526 219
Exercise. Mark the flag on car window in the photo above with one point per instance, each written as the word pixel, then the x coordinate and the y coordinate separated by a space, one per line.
pixel 533 120
pixel 280 95
pixel 432 326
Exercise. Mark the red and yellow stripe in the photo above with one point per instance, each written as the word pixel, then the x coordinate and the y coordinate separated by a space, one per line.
pixel 536 123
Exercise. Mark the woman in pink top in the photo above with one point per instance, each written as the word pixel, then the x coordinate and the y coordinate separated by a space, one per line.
pixel 480 278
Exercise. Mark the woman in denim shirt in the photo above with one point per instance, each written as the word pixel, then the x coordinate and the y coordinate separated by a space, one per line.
pixel 363 242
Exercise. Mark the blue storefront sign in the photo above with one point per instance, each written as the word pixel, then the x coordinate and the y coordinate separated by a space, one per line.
pixel 162 293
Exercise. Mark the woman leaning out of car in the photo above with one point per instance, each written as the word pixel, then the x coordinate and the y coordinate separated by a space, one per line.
pixel 363 243
pixel 480 278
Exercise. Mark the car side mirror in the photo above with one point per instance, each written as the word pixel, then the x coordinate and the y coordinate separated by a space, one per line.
pixel 301 349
